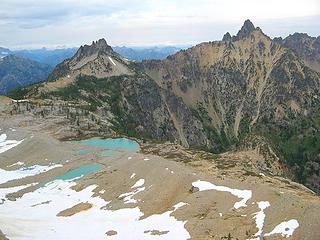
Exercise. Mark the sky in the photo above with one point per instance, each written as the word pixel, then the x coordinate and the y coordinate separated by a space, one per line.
pixel 71 23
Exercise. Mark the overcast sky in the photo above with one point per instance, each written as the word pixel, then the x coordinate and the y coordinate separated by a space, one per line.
pixel 52 23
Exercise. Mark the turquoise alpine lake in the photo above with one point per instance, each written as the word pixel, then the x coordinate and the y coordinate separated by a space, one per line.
pixel 80 172
pixel 110 146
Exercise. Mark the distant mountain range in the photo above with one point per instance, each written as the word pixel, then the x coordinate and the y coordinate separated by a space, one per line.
pixel 4 52
pixel 53 57
pixel 38 63
pixel 146 53
pixel 17 72
pixel 47 56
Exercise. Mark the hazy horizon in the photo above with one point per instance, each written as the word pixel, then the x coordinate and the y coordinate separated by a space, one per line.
pixel 33 24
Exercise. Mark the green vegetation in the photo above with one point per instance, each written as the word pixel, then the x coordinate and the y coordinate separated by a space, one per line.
pixel 296 138
pixel 92 91
pixel 18 93
pixel 102 93
pixel 219 138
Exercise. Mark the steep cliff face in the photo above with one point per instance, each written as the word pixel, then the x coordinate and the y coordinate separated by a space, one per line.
pixel 249 84
pixel 237 82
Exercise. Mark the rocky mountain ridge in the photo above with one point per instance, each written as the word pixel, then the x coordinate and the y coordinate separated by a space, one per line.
pixel 306 47
pixel 214 96
pixel 250 84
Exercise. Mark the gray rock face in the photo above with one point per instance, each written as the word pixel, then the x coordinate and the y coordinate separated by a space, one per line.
pixel 194 189
pixel 236 90
pixel 306 47
pixel 245 30
pixel 227 37
pixel 97 47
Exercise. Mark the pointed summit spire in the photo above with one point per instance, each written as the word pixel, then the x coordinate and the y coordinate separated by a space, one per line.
pixel 101 44
pixel 245 30
pixel 97 47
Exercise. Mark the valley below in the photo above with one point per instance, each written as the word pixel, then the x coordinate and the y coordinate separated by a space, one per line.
pixel 120 188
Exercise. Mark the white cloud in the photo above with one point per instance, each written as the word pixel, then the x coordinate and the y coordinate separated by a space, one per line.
pixel 73 22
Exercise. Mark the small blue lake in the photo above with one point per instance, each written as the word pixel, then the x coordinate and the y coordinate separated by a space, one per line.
pixel 110 146
pixel 80 172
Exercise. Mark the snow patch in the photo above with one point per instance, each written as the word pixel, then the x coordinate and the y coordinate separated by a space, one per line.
pixel 6 176
pixel 27 218
pixel 133 175
pixel 6 145
pixel 111 60
pixel 260 216
pixel 5 191
pixel 179 205
pixel 244 194
pixel 286 229
pixel 139 183
pixel 16 164
pixel 128 197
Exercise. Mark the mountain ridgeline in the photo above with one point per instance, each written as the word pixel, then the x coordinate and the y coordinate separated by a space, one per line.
pixel 18 72
pixel 246 91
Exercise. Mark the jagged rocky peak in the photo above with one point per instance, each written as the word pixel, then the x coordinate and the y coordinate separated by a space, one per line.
pixel 245 30
pixel 97 47
pixel 298 36
pixel 227 37
pixel 101 44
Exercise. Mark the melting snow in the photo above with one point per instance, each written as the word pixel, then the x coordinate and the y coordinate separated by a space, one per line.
pixel 16 164
pixel 139 183
pixel 244 194
pixel 286 229
pixel 6 176
pixel 111 60
pixel 260 216
pixel 179 205
pixel 5 191
pixel 128 197
pixel 102 191
pixel 133 175
pixel 5 144
pixel 27 218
